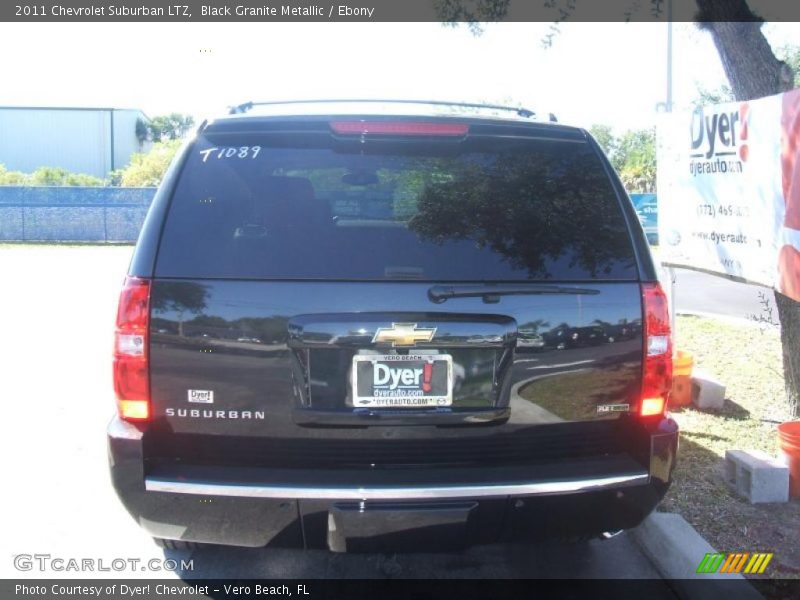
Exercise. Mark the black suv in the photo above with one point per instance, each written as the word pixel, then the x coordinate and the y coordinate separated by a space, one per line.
pixel 340 329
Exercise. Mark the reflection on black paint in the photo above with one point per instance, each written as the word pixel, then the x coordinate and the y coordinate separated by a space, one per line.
pixel 487 210
pixel 217 350
pixel 535 209
pixel 174 301
pixel 177 299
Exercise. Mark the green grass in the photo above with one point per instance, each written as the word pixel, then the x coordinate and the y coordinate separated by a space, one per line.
pixel 747 359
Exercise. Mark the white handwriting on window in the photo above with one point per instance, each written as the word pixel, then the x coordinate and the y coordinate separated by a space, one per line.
pixel 231 152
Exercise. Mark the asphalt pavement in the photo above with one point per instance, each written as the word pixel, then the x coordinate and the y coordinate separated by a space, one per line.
pixel 705 294
pixel 617 558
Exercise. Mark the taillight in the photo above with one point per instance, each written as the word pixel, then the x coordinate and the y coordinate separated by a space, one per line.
pixel 657 364
pixel 131 369
pixel 399 128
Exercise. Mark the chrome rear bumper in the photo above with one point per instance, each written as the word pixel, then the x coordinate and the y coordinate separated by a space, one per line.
pixel 536 488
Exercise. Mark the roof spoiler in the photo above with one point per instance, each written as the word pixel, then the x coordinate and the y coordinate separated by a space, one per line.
pixel 518 110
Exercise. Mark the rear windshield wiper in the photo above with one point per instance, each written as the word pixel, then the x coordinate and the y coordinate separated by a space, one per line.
pixel 492 293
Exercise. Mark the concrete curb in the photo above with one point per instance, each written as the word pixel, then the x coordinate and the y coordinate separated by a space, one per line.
pixel 676 549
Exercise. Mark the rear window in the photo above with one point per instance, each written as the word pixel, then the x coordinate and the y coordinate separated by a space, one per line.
pixel 482 209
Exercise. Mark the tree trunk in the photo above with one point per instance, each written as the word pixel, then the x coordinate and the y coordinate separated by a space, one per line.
pixel 789 314
pixel 753 71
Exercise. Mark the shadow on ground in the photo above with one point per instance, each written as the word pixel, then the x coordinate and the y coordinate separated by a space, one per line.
pixel 702 496
pixel 729 410
pixel 619 557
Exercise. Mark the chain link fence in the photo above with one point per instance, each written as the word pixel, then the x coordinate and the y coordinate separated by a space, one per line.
pixel 72 214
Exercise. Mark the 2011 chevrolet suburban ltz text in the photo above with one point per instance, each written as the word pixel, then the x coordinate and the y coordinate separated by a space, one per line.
pixel 390 326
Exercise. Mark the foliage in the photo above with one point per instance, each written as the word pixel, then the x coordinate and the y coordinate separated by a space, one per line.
pixel 60 176
pixel 791 56
pixel 48 176
pixel 142 130
pixel 635 160
pixel 718 95
pixel 472 12
pixel 605 137
pixel 147 169
pixel 12 177
pixel 169 127
pixel 633 155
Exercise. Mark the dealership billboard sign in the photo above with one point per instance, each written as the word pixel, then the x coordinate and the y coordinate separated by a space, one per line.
pixel 729 190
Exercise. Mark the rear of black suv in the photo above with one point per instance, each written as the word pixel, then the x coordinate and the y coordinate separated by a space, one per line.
pixel 407 333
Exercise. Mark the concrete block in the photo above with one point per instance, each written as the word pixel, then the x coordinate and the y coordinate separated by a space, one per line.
pixel 757 476
pixel 707 393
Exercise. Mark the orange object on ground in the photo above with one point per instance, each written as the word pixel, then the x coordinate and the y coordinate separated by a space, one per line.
pixel 789 436
pixel 682 364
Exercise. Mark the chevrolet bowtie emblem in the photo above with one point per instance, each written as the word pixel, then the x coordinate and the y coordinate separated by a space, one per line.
pixel 403 334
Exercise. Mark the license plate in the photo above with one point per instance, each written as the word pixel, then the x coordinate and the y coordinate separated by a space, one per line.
pixel 402 381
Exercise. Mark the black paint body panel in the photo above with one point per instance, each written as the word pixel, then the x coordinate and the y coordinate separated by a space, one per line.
pixel 546 387
pixel 277 356
pixel 304 523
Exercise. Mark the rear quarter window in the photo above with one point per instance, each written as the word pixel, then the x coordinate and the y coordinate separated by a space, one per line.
pixel 483 209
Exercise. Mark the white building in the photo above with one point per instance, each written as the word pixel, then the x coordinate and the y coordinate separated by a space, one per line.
pixel 81 140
